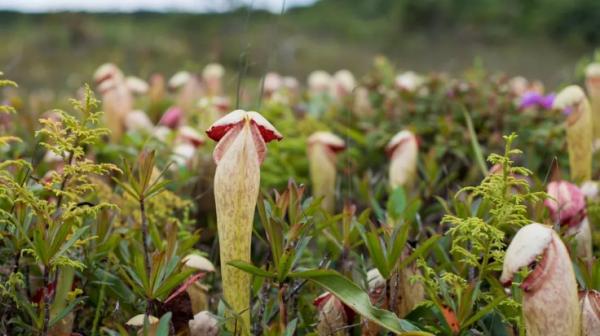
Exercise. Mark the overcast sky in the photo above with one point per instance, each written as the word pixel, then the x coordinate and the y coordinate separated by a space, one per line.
pixel 150 5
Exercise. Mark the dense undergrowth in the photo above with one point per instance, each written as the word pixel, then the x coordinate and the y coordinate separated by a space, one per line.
pixel 102 222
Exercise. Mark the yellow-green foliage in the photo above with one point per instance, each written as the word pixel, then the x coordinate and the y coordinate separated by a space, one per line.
pixel 477 240
pixel 7 109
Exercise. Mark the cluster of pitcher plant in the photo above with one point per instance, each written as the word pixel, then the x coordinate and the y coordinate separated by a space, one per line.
pixel 348 207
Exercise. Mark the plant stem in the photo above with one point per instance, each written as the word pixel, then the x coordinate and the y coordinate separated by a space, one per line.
pixel 282 307
pixel 17 261
pixel 263 297
pixel 63 183
pixel 46 281
pixel 146 252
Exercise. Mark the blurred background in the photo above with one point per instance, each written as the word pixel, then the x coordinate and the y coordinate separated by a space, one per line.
pixel 59 44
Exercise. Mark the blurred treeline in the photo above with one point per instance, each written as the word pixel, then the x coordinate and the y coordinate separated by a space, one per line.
pixel 537 38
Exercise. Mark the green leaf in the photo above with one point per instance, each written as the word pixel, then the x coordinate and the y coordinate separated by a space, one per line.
pixel 396 204
pixel 172 282
pixel 40 247
pixel 65 311
pixel 127 188
pixel 398 241
pixel 291 328
pixel 285 265
pixel 74 238
pixel 249 268
pixel 354 297
pixel 474 144
pixel 377 253
pixel 274 234
pixel 482 312
pixel 163 325
pixel 419 251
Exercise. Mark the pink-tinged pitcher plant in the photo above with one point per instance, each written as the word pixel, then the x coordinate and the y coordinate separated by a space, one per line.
pixel 136 85
pixel 117 101
pixel 409 81
pixel 197 291
pixel 322 151
pixel 592 84
pixel 573 102
pixel 403 152
pixel 204 324
pixel 342 84
pixel 550 300
pixel 137 322
pixel 405 295
pixel 568 208
pixel 241 148
pixel 212 78
pixel 172 118
pixel 319 83
pixel 590 312
pixel 156 88
pixel 362 107
pixel 187 90
pixel 186 145
pixel 138 121
pixel 378 296
pixel 272 83
pixel 334 316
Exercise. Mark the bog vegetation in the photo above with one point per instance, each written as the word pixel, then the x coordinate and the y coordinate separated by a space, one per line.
pixel 393 203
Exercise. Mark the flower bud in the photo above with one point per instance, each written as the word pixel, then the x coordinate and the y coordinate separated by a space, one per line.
pixel 172 117
pixel 567 207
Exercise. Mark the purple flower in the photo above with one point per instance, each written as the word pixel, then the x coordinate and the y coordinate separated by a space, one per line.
pixel 548 101
pixel 568 110
pixel 535 99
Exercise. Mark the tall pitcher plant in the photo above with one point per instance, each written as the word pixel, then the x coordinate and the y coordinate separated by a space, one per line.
pixel 241 148
pixel 573 102
pixel 592 84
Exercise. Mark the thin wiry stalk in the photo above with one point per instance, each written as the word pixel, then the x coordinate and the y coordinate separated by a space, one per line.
pixel 46 282
pixel 263 297
pixel 282 307
pixel 100 305
pixel 146 252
